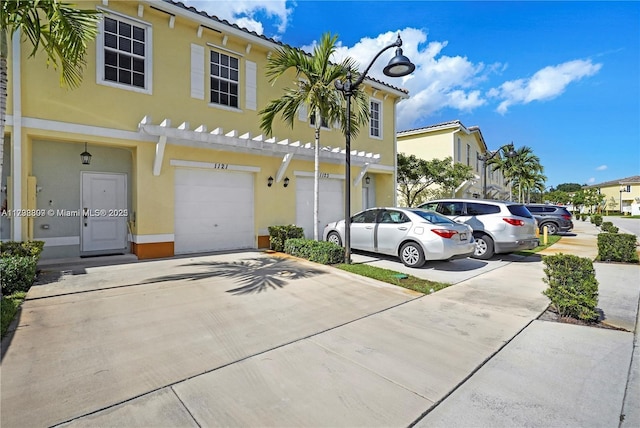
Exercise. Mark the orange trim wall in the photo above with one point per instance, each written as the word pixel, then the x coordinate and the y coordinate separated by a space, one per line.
pixel 154 250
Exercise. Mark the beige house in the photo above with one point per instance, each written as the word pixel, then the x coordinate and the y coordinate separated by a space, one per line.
pixel 169 111
pixel 462 144
pixel 621 195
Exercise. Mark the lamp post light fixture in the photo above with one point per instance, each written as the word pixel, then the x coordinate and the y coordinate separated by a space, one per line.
pixel 488 156
pixel 398 66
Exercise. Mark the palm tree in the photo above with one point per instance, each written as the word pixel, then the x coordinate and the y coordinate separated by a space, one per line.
pixel 313 89
pixel 59 29
pixel 519 169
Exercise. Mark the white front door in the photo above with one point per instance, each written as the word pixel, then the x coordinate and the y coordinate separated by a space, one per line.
pixel 104 214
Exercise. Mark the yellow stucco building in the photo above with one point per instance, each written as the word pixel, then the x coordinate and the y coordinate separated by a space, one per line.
pixel 621 195
pixel 168 110
pixel 462 144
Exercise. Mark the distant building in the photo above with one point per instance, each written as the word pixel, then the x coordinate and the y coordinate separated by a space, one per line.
pixel 462 144
pixel 624 191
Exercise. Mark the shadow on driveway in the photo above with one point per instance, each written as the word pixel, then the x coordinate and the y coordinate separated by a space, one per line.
pixel 253 276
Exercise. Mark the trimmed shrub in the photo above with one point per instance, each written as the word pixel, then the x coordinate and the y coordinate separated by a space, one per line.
pixel 608 226
pixel 326 253
pixel 279 234
pixel 596 219
pixel 29 248
pixel 17 273
pixel 617 247
pixel 573 288
pixel 18 265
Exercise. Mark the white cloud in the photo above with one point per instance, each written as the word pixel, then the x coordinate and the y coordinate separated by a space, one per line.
pixel 591 180
pixel 439 81
pixel 545 84
pixel 601 168
pixel 245 13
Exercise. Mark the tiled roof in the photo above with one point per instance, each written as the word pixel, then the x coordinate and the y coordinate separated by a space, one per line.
pixel 635 179
pixel 437 125
pixel 254 34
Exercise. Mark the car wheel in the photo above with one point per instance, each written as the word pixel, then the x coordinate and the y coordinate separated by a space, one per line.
pixel 484 247
pixel 412 255
pixel 335 238
pixel 552 229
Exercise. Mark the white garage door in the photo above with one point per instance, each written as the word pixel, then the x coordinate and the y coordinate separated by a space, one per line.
pixel 331 204
pixel 213 210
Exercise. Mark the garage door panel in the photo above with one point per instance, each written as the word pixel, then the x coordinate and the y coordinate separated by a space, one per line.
pixel 331 203
pixel 214 211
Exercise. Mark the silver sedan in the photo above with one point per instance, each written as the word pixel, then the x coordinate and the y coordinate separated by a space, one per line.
pixel 412 234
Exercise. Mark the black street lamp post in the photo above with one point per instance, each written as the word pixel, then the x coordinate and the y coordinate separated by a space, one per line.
pixel 488 156
pixel 398 66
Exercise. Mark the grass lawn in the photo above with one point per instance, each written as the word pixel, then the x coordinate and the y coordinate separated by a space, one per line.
pixel 396 278
pixel 551 239
pixel 9 307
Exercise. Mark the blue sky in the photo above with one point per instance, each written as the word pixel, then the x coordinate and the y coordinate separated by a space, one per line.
pixel 560 77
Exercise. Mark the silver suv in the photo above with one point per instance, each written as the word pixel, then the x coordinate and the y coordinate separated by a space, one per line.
pixel 498 226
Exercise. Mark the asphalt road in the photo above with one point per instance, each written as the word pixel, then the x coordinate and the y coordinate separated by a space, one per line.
pixel 628 225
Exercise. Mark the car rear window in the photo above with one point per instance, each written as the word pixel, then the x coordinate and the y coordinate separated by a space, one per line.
pixel 519 210
pixel 433 217
pixel 475 208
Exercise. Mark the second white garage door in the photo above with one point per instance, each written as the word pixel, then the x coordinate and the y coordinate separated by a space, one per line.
pixel 331 203
pixel 213 210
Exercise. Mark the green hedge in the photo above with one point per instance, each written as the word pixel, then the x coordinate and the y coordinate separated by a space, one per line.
pixel 18 265
pixel 608 226
pixel 617 247
pixel 573 288
pixel 596 219
pixel 279 234
pixel 29 248
pixel 323 252
pixel 17 273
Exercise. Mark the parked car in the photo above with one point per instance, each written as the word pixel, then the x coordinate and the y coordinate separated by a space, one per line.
pixel 498 226
pixel 556 218
pixel 412 234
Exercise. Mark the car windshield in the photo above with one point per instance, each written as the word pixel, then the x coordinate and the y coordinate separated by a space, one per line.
pixel 519 210
pixel 433 217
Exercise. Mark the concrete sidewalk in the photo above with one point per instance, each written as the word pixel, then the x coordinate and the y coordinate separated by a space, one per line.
pixel 554 374
pixel 249 339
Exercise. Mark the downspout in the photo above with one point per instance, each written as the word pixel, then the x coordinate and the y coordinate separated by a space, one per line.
pixel 395 151
pixel 16 137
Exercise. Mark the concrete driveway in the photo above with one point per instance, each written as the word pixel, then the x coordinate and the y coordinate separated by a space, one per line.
pixel 248 339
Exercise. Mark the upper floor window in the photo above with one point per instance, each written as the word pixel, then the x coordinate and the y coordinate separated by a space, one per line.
pixel 375 119
pixel 468 155
pixel 323 121
pixel 125 53
pixel 459 151
pixel 225 71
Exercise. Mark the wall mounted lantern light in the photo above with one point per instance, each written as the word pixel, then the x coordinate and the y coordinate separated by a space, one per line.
pixel 367 180
pixel 270 181
pixel 85 156
pixel 286 181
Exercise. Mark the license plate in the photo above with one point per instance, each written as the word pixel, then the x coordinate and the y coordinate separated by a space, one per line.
pixel 463 236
